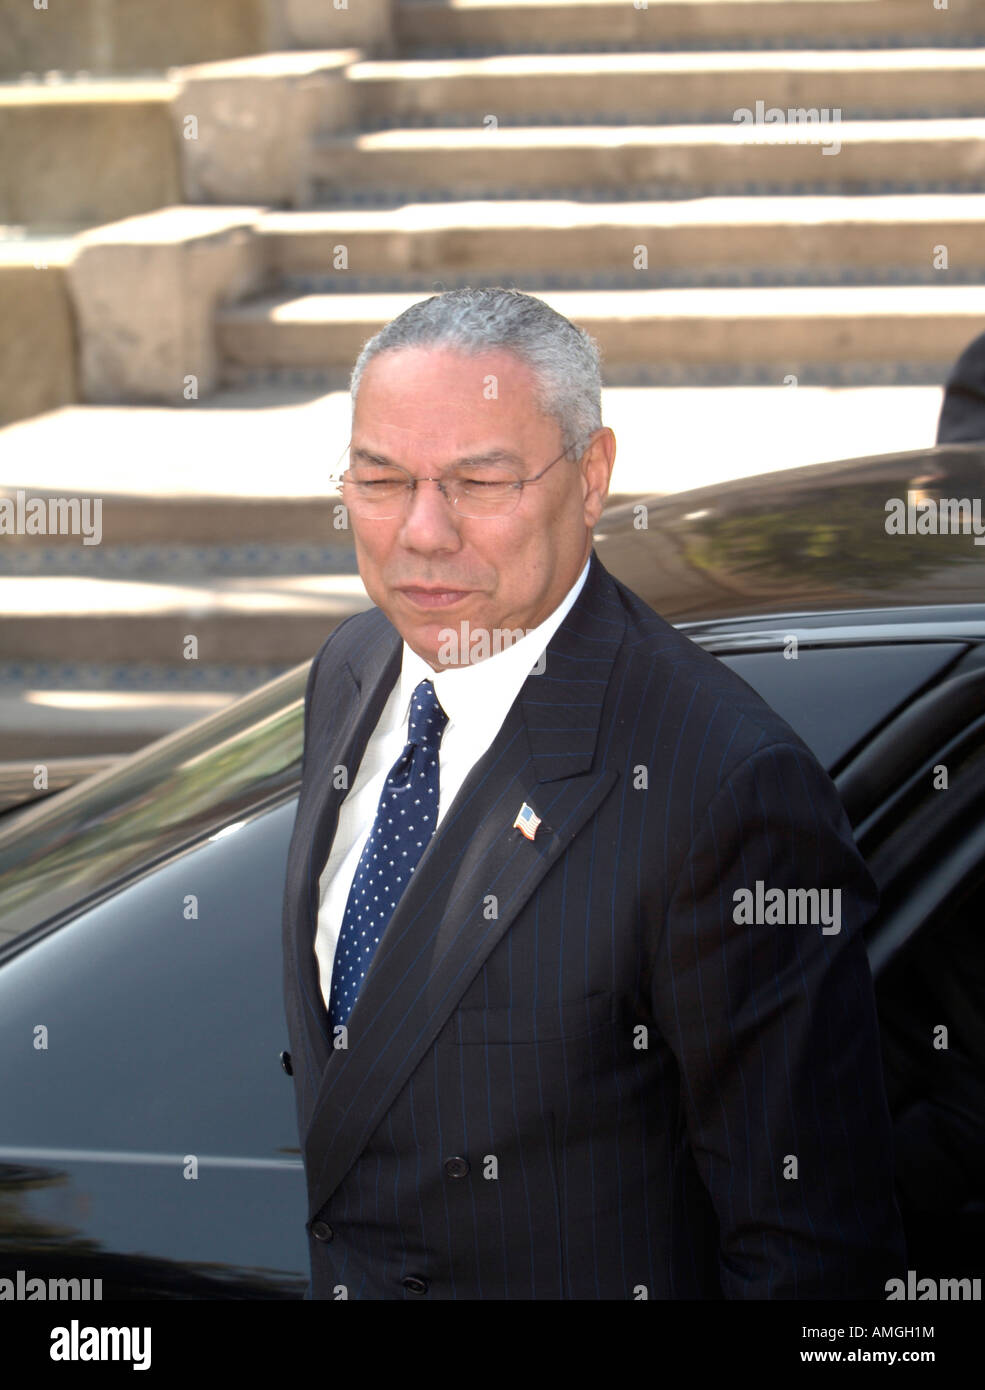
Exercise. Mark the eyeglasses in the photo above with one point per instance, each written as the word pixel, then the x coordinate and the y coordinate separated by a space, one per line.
pixel 381 491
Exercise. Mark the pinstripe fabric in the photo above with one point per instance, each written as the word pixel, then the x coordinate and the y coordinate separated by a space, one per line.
pixel 621 1072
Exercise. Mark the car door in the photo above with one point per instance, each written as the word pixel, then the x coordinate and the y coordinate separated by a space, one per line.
pixel 148 1133
pixel 901 724
pixel 916 796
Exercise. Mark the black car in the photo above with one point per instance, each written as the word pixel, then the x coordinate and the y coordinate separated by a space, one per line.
pixel 147 1121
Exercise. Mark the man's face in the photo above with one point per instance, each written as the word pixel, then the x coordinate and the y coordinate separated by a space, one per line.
pixel 430 569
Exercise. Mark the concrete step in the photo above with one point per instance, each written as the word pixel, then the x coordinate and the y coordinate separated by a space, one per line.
pixel 145 533
pixel 646 87
pixel 207 485
pixel 876 235
pixel 528 25
pixel 656 161
pixel 238 470
pixel 136 36
pixel 786 328
pixel 83 153
pixel 36 326
pixel 276 619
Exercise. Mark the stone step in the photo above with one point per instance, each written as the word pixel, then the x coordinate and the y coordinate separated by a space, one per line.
pixel 645 87
pixel 183 532
pixel 205 501
pixel 659 161
pixel 136 36
pixel 216 557
pixel 274 620
pixel 529 25
pixel 83 153
pixel 36 325
pixel 878 235
pixel 783 327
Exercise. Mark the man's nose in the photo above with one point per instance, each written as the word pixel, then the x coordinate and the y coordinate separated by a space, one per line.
pixel 430 521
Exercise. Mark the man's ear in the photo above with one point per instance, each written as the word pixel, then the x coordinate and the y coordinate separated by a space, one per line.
pixel 596 469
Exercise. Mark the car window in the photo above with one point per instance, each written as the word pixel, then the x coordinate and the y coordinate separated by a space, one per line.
pixel 163 1023
pixel 88 839
pixel 834 696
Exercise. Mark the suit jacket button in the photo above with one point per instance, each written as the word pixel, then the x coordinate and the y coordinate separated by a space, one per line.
pixel 456 1167
pixel 321 1230
pixel 285 1061
pixel 415 1284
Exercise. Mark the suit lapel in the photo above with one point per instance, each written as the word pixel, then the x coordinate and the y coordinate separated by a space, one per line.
pixel 355 703
pixel 442 930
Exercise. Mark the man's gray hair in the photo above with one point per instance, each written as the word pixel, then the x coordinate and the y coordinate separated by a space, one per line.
pixel 564 358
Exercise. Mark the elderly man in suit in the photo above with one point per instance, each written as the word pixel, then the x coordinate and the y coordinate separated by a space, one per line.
pixel 540 1047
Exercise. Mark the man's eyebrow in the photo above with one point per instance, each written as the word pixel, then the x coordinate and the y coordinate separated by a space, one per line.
pixel 490 456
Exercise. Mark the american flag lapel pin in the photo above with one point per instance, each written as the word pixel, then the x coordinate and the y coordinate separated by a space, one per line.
pixel 526 821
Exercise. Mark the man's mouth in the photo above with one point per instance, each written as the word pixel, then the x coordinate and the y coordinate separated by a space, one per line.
pixel 424 597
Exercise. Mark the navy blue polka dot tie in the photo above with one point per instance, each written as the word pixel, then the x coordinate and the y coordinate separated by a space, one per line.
pixel 405 821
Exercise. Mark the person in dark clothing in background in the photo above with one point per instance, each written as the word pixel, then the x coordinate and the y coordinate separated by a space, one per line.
pixel 962 417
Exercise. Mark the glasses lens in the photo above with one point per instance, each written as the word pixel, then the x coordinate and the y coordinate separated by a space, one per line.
pixel 484 490
pixel 374 490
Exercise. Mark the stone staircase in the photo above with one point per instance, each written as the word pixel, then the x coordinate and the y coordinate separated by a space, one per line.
pixel 587 152
pixel 427 27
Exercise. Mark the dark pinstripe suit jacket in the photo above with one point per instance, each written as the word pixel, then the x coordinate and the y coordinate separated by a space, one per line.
pixel 569 1073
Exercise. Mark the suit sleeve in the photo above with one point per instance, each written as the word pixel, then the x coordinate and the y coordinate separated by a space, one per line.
pixel 774 1027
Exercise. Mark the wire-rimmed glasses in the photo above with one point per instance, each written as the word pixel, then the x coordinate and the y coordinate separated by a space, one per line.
pixel 482 487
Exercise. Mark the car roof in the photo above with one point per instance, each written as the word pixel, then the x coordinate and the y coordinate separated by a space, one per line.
pixel 801 540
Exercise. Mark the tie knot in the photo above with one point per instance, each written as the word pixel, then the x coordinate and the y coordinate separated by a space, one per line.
pixel 427 718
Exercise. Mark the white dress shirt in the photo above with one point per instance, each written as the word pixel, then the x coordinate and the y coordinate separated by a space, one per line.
pixel 477 699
